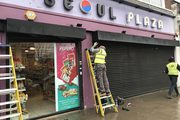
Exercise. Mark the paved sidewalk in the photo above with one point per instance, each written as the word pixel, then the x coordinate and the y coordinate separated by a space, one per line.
pixel 153 106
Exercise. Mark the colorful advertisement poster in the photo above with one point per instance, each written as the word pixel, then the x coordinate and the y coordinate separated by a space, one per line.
pixel 66 76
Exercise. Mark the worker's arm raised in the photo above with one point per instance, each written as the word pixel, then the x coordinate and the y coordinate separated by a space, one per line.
pixel 93 49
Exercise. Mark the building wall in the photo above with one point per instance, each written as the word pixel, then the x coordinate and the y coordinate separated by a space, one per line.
pixel 175 7
pixel 168 4
pixel 92 24
pixel 87 93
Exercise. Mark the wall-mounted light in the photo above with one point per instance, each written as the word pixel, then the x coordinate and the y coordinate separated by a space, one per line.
pixel 79 25
pixel 32 48
pixel 30 15
pixel 152 36
pixel 124 32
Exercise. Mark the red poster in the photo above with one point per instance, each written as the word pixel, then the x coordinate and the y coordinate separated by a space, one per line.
pixel 66 62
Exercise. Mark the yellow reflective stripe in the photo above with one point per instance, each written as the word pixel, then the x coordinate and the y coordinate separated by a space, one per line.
pixel 172 68
pixel 100 56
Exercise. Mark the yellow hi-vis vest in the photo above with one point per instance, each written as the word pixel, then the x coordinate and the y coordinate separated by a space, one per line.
pixel 100 56
pixel 172 68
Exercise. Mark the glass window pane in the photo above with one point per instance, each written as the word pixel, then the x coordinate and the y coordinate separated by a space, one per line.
pixel 157 2
pixel 34 64
pixel 154 2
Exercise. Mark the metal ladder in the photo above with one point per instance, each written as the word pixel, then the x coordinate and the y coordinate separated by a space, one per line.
pixel 98 99
pixel 6 111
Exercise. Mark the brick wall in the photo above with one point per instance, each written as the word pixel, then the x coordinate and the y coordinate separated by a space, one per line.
pixel 168 3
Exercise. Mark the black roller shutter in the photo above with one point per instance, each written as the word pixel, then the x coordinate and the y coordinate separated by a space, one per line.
pixel 135 69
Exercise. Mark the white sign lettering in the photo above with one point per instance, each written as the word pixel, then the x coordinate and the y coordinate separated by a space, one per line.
pixel 147 22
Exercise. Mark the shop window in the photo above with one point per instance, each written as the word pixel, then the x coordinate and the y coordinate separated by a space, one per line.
pixel 47 77
pixel 34 63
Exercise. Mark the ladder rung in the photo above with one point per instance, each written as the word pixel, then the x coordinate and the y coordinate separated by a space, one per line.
pixel 107 106
pixel 5 74
pixel 21 90
pixel 8 103
pixel 4 45
pixel 9 116
pixel 20 78
pixel 6 66
pixel 7 91
pixel 5 56
pixel 8 110
pixel 6 78
pixel 105 97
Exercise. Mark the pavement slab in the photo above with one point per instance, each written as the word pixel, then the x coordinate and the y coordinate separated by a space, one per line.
pixel 153 106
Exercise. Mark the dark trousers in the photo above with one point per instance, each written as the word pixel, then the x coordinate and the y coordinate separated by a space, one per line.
pixel 100 70
pixel 173 80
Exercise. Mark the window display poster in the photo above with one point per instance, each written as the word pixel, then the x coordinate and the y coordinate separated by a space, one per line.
pixel 66 76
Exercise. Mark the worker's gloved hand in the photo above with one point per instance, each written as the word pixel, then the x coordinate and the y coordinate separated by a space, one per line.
pixel 95 44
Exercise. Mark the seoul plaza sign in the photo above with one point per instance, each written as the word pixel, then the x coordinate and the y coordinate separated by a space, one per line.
pixel 86 7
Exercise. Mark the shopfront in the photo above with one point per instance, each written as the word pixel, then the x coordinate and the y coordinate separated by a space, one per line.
pixel 50 49
pixel 48 66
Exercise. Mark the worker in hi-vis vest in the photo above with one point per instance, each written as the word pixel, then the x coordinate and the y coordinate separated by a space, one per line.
pixel 100 68
pixel 172 69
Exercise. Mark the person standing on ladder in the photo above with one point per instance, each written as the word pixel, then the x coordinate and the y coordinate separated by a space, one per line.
pixel 100 68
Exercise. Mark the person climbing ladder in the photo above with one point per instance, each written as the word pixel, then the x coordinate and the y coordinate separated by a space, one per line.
pixel 102 98
pixel 100 68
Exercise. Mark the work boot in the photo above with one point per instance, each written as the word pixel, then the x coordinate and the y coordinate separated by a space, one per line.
pixel 108 93
pixel 102 93
pixel 169 97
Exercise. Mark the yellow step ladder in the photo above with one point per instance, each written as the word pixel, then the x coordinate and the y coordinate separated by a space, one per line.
pixel 6 109
pixel 98 99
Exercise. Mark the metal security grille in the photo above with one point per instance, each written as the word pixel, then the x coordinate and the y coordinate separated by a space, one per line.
pixel 135 69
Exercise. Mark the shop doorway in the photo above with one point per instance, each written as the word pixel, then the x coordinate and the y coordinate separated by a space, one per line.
pixel 47 77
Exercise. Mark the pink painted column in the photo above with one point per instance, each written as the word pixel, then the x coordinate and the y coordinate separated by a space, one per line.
pixel 87 89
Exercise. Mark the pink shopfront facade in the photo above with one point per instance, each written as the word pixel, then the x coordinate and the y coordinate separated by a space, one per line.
pixel 138 41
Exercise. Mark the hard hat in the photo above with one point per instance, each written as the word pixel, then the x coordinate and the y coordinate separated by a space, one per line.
pixel 103 47
pixel 171 59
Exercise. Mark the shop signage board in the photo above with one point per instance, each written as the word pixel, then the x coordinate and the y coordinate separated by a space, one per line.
pixel 66 76
pixel 106 11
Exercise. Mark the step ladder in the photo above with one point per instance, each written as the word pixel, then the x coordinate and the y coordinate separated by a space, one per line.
pixel 6 109
pixel 98 99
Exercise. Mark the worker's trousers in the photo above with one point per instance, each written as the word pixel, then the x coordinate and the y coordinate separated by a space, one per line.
pixel 101 76
pixel 173 85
